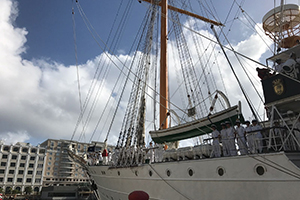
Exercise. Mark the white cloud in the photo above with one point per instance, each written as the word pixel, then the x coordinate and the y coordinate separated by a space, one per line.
pixel 39 98
pixel 12 138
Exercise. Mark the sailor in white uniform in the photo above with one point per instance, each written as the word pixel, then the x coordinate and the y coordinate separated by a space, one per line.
pixel 216 145
pixel 224 139
pixel 241 138
pixel 231 138
pixel 257 135
pixel 250 137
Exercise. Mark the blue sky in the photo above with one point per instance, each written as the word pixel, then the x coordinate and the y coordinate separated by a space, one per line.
pixel 39 97
pixel 50 23
pixel 50 27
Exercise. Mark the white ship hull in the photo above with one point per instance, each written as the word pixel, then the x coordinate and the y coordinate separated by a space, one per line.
pixel 279 179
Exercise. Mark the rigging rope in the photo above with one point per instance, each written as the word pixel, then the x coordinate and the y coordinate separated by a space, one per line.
pixel 76 60
pixel 242 89
pixel 122 70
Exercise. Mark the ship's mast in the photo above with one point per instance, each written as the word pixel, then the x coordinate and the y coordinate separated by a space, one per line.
pixel 163 120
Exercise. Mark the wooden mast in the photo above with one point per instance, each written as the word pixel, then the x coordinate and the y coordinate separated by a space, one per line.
pixel 163 116
pixel 163 120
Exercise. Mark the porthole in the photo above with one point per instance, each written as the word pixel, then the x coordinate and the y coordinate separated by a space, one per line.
pixel 191 172
pixel 221 171
pixel 168 173
pixel 260 170
pixel 150 173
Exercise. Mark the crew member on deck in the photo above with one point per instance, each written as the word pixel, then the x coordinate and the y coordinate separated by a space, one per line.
pixel 241 137
pixel 224 138
pixel 216 145
pixel 278 136
pixel 257 136
pixel 250 137
pixel 231 133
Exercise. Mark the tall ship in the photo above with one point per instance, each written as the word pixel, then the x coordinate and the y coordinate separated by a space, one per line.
pixel 234 155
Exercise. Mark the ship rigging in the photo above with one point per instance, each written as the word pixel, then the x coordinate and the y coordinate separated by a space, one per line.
pixel 267 159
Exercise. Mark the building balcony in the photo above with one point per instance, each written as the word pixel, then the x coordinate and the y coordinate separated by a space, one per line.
pixel 66 161
pixel 66 167
pixel 65 172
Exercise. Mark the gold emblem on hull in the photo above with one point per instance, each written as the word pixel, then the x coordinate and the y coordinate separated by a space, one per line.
pixel 278 86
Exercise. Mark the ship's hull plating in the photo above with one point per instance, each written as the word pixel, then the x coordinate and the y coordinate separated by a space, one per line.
pixel 254 177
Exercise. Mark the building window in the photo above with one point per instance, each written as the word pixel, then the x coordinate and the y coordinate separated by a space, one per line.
pixel 1 171
pixel 4 156
pixel 30 165
pixel 11 171
pixel 30 172
pixel 22 164
pixel 14 157
pixel 13 164
pixel 33 150
pixel 50 158
pixel 6 148
pixel 28 180
pixel 42 151
pixel 40 166
pixel 19 180
pixel 21 171
pixel 39 173
pixel 23 157
pixel 55 174
pixel 9 179
pixel 50 153
pixel 37 180
pixel 32 158
pixel 48 173
pixel 41 158
pixel 15 149
pixel 25 150
pixel 1 179
pixel 3 164
pixel 49 163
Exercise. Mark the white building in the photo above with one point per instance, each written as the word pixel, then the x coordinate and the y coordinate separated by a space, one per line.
pixel 21 166
pixel 60 169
